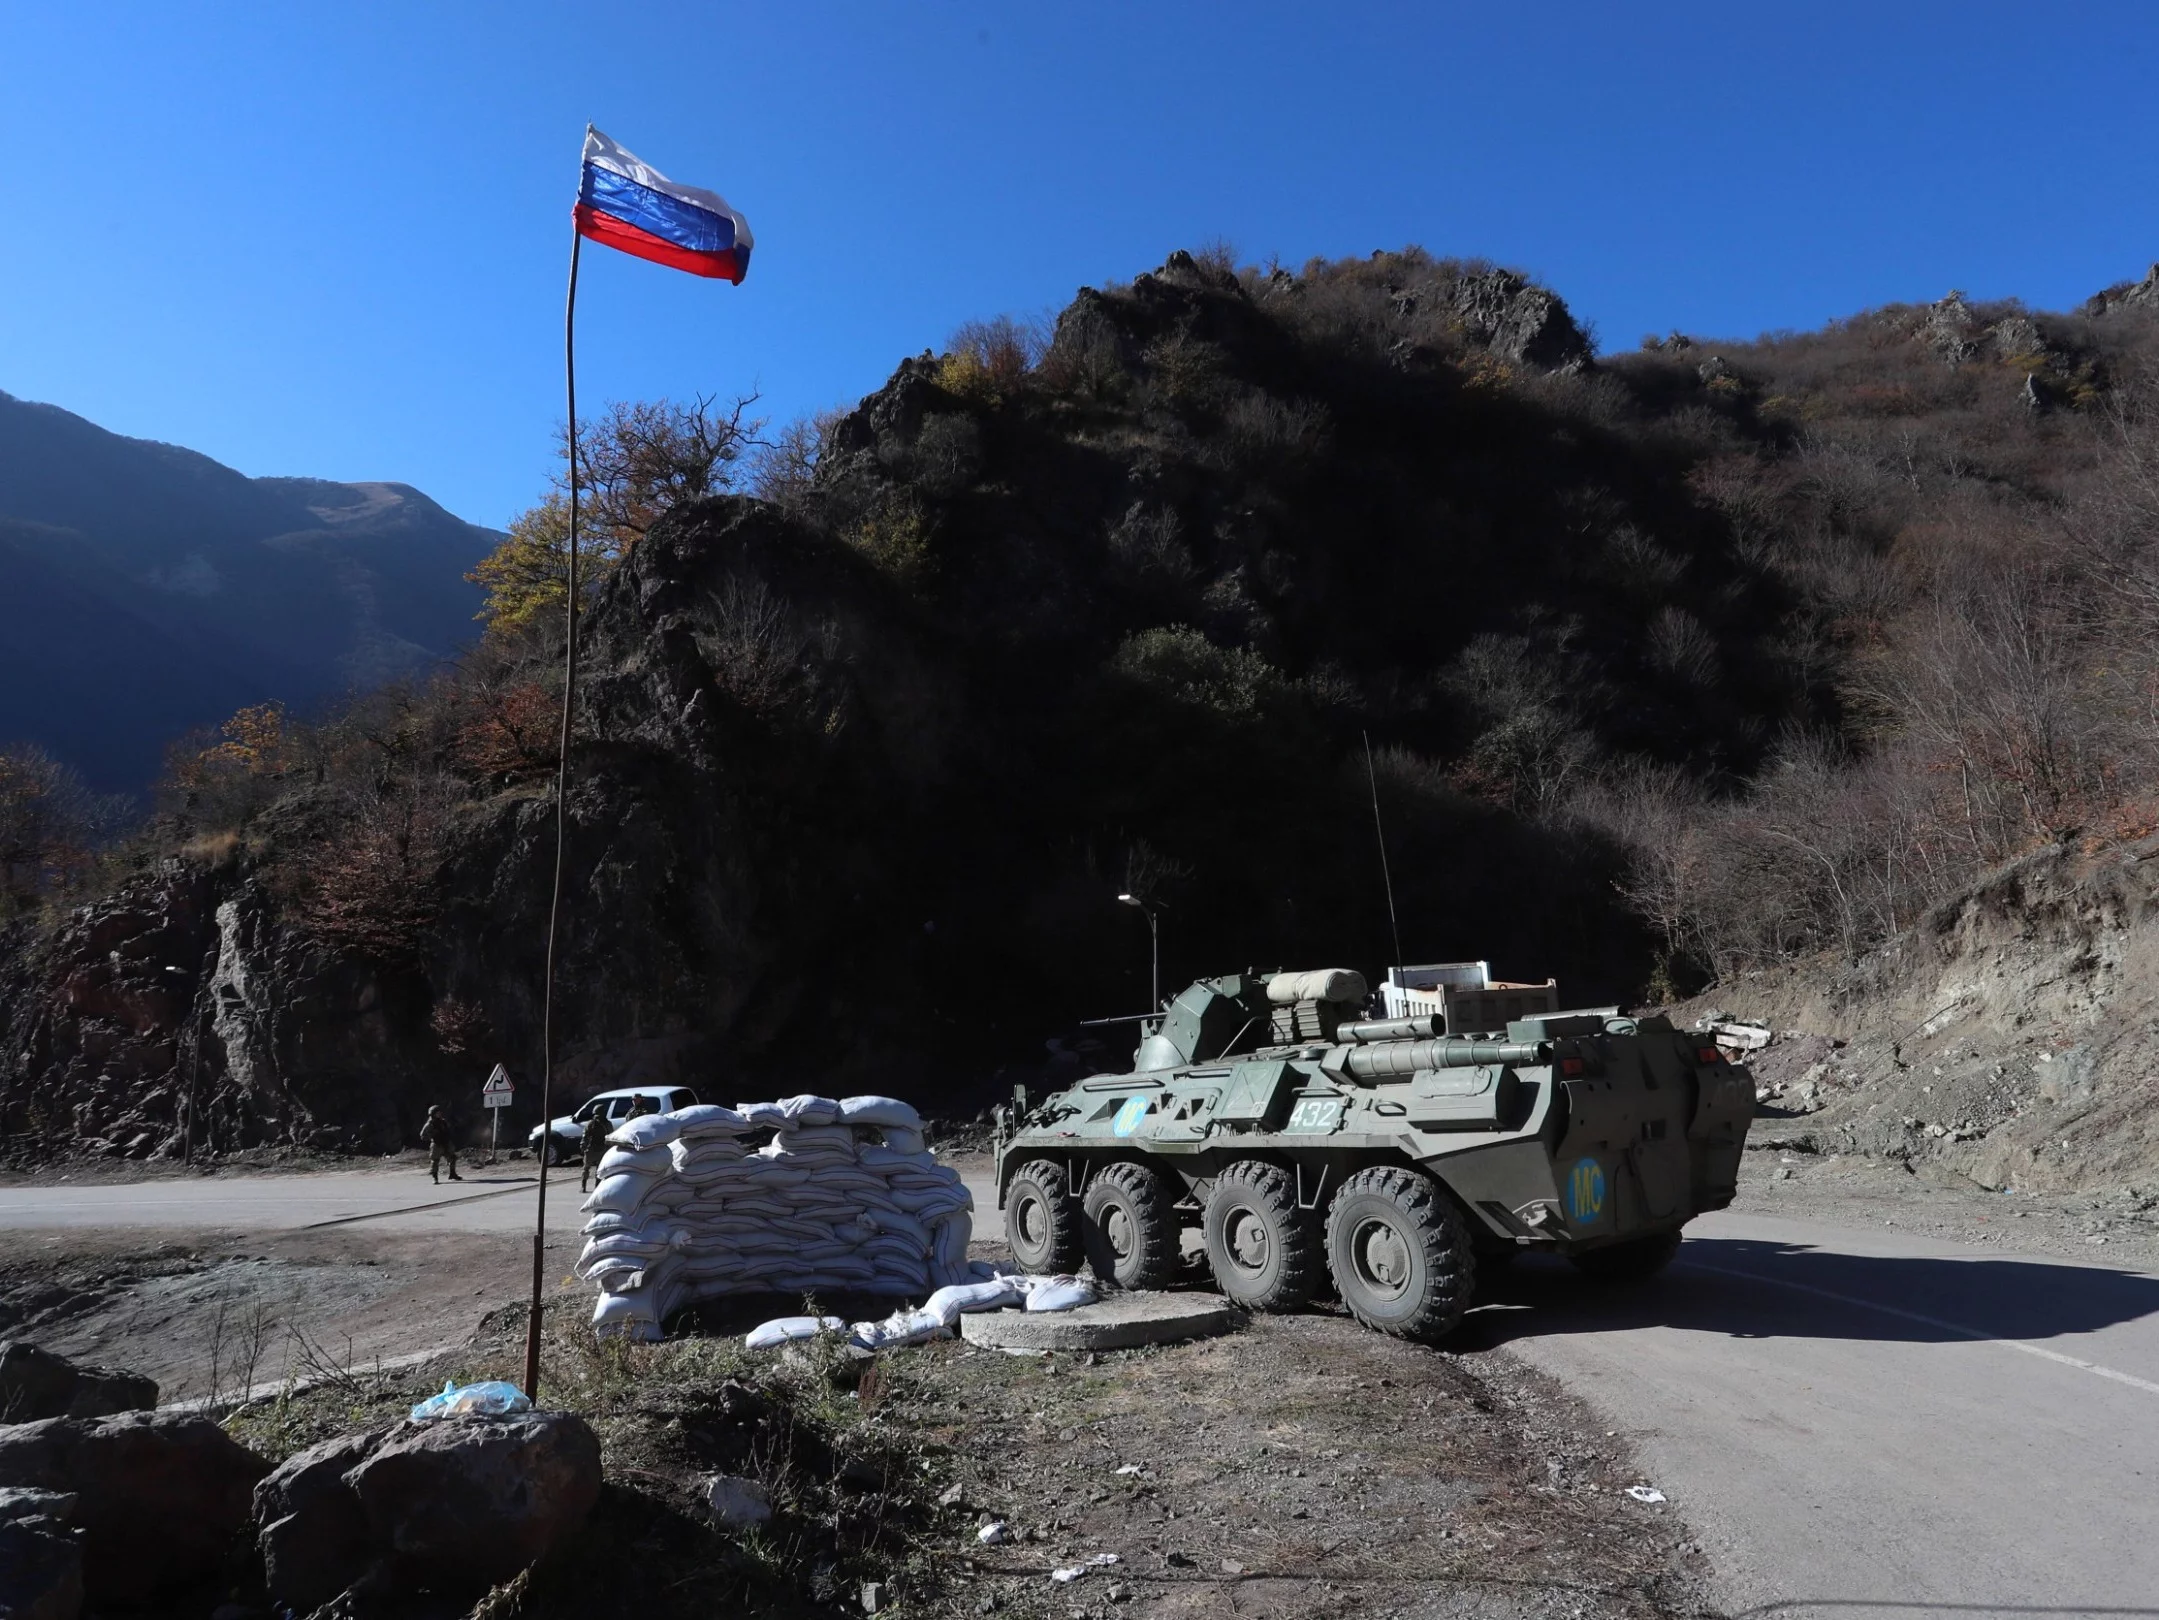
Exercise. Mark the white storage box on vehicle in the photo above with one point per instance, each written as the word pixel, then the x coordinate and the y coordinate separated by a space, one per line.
pixel 1466 995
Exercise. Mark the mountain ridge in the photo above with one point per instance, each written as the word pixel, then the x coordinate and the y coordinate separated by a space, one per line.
pixel 174 590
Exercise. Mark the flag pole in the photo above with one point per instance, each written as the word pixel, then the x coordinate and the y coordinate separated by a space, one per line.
pixel 562 837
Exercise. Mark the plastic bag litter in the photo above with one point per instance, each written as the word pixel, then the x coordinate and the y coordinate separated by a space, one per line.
pixel 1060 1293
pixel 493 1398
pixel 1075 1571
pixel 788 1329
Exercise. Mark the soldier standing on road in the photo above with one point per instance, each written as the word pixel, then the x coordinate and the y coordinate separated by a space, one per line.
pixel 595 1142
pixel 440 1144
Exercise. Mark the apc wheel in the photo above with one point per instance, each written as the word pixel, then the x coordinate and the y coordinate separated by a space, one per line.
pixel 1265 1251
pixel 1132 1230
pixel 1400 1255
pixel 1041 1223
pixel 1635 1260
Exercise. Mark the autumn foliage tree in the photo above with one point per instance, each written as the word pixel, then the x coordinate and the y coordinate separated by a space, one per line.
pixel 633 464
pixel 50 824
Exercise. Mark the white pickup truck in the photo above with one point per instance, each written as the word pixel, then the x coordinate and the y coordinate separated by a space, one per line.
pixel 565 1133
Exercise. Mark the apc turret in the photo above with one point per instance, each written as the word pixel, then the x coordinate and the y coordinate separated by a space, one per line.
pixel 1308 1141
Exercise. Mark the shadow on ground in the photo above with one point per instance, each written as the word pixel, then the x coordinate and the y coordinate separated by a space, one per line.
pixel 1752 1289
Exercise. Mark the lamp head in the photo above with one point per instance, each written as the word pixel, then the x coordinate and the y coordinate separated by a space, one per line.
pixel 1129 899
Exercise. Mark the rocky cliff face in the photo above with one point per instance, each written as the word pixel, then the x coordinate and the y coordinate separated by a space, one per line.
pixel 182 992
pixel 2010 1040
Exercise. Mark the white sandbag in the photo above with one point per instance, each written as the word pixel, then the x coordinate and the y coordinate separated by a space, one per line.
pixel 902 1225
pixel 646 1130
pixel 881 1111
pixel 890 1159
pixel 621 1193
pixel 657 1161
pixel 630 1314
pixel 709 1119
pixel 627 1242
pixel 901 1327
pixel 947 1303
pixel 692 1154
pixel 950 1248
pixel 1060 1293
pixel 686 1210
pixel 805 1140
pixel 787 1329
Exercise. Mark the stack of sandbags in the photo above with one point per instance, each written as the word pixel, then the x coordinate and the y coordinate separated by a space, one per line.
pixel 842 1196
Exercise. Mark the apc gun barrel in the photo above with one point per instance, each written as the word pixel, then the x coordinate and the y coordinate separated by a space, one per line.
pixel 1392 1029
pixel 1447 1052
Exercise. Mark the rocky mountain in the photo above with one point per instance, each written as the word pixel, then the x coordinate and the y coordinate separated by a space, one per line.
pixel 861 765
pixel 155 590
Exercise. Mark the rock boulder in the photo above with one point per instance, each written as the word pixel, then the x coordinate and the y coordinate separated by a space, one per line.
pixel 37 1384
pixel 40 1571
pixel 40 1559
pixel 160 1498
pixel 450 1507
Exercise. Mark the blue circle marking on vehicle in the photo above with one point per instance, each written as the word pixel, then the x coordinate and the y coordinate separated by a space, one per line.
pixel 1585 1191
pixel 1129 1116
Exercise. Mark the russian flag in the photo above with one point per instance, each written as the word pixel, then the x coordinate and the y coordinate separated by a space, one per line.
pixel 632 206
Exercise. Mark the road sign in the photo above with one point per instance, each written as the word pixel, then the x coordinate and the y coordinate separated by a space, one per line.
pixel 495 1097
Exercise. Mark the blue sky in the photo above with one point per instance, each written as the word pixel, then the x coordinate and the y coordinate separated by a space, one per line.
pixel 332 240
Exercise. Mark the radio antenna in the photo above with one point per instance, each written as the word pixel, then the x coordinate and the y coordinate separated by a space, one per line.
pixel 1379 830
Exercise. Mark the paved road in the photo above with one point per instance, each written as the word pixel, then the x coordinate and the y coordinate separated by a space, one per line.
pixel 488 1200
pixel 1862 1425
pixel 1866 1425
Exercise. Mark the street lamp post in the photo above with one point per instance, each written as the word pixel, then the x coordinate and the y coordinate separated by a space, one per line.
pixel 1154 941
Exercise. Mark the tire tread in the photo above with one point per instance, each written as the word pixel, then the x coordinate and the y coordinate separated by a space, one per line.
pixel 1303 1264
pixel 1067 1252
pixel 1159 1257
pixel 1449 1257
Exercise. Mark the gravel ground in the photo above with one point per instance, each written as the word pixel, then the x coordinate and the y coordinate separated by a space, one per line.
pixel 1301 1465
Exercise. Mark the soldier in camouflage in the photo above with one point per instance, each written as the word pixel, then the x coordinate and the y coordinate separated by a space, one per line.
pixel 441 1144
pixel 595 1146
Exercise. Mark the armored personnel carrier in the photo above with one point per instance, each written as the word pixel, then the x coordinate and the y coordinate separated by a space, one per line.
pixel 1388 1157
